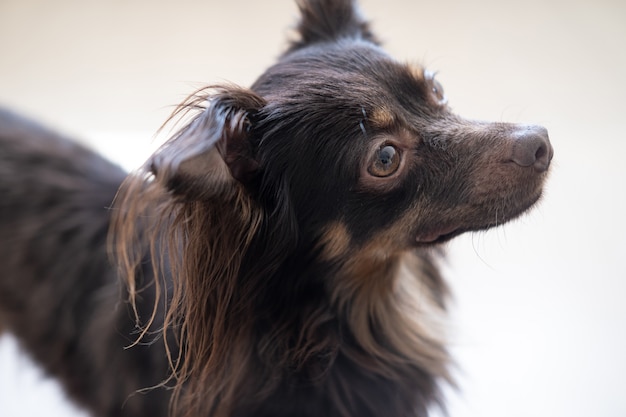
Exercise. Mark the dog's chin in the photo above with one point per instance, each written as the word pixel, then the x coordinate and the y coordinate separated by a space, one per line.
pixel 451 229
pixel 440 235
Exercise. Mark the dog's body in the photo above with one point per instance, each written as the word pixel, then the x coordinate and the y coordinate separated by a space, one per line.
pixel 281 243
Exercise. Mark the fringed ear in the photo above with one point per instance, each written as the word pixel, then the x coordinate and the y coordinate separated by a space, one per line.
pixel 215 149
pixel 180 229
pixel 330 20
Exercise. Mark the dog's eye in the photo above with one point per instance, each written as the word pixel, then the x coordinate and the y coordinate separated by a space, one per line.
pixel 437 90
pixel 385 161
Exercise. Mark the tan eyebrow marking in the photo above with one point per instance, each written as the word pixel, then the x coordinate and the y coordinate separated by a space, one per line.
pixel 382 117
pixel 417 72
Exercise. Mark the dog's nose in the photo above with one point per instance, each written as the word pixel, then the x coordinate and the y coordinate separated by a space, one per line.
pixel 531 147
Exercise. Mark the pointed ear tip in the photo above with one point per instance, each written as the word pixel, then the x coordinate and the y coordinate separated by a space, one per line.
pixel 328 20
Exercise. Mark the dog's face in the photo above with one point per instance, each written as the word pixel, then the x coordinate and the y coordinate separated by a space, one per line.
pixel 369 146
pixel 359 147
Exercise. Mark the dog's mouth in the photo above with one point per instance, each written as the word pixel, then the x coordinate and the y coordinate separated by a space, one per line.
pixel 451 229
pixel 439 235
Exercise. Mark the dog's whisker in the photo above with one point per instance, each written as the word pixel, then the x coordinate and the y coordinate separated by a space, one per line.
pixel 362 126
pixel 477 250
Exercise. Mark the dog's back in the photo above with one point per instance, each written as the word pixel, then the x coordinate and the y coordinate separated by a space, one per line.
pixel 58 291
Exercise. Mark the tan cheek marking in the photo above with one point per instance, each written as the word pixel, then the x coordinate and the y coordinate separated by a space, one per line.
pixel 365 278
pixel 335 241
pixel 370 270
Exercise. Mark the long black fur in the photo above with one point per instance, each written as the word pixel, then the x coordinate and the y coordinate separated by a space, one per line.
pixel 276 257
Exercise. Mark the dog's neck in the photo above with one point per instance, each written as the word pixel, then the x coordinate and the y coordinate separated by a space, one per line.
pixel 368 316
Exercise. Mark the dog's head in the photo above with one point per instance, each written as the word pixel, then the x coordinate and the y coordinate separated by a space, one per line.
pixel 290 204
pixel 355 145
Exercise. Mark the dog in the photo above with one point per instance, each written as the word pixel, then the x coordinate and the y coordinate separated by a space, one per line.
pixel 278 256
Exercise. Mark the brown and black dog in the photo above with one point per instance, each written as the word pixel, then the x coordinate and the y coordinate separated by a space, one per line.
pixel 277 256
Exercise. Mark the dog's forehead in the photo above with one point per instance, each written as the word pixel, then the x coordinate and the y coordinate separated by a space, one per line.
pixel 343 90
pixel 346 73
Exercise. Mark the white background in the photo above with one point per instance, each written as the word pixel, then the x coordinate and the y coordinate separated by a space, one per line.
pixel 539 324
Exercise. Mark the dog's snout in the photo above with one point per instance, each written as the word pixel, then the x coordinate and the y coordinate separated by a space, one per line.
pixel 531 147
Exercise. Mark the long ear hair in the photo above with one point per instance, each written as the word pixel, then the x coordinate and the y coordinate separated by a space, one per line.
pixel 189 210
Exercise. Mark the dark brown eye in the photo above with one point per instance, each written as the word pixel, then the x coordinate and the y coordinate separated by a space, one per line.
pixel 385 162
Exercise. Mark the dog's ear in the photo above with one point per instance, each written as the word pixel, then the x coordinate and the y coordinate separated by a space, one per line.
pixel 330 20
pixel 215 149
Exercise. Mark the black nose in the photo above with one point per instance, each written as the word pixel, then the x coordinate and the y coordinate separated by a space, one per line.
pixel 531 147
